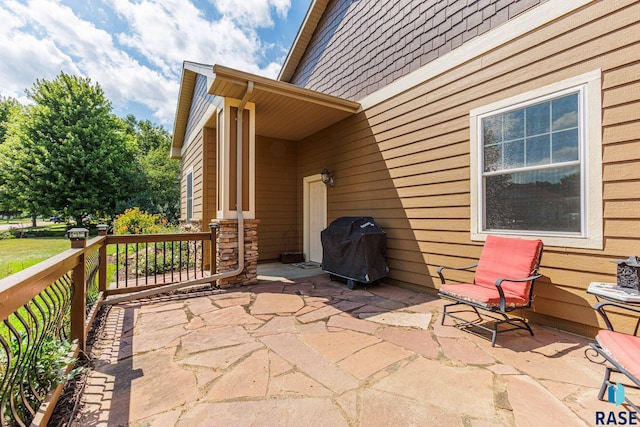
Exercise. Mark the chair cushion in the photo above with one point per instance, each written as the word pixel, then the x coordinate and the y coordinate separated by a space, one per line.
pixel 507 257
pixel 486 296
pixel 624 348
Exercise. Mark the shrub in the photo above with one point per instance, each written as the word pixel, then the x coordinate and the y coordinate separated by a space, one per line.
pixel 6 235
pixel 136 221
pixel 51 357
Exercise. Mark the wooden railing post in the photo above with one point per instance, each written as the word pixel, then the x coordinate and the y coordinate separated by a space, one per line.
pixel 102 269
pixel 214 249
pixel 78 237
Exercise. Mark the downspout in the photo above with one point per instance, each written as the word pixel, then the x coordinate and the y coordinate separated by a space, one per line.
pixel 239 215
pixel 239 173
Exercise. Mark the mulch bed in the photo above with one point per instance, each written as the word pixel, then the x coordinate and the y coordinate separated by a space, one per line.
pixel 66 408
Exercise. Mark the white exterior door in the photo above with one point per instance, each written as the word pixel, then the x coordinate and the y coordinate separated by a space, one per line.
pixel 315 216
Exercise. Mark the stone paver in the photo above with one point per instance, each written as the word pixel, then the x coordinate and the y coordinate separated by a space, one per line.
pixel 383 409
pixel 232 302
pixel 296 383
pixel 418 341
pixel 311 362
pixel 462 390
pixel 156 370
pixel 320 313
pixel 210 338
pixel 221 358
pixel 277 325
pixel 348 322
pixel 370 360
pixel 235 315
pixel 527 397
pixel 312 352
pixel 308 412
pixel 276 303
pixel 465 352
pixel 412 320
pixel 249 378
pixel 338 345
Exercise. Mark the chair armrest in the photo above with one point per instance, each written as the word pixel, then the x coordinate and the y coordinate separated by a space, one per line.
pixel 599 307
pixel 444 267
pixel 526 279
pixel 503 301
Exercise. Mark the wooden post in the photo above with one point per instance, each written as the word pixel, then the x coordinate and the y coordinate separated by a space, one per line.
pixel 213 255
pixel 79 299
pixel 102 268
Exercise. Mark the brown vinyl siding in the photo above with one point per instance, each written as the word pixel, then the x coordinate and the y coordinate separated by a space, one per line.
pixel 209 185
pixel 406 161
pixel 192 159
pixel 199 103
pixel 276 200
pixel 359 47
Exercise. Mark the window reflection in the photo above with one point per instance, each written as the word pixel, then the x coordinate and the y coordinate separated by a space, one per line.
pixel 542 200
pixel 541 134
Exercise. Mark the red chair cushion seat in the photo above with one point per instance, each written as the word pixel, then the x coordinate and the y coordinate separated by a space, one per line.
pixel 486 296
pixel 624 348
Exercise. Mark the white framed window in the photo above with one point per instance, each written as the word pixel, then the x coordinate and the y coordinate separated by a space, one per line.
pixel 189 196
pixel 536 165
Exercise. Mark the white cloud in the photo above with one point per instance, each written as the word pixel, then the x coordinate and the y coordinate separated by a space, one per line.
pixel 141 63
pixel 169 32
pixel 252 13
pixel 25 58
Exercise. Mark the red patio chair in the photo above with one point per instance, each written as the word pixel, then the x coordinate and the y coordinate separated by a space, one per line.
pixel 503 282
pixel 621 350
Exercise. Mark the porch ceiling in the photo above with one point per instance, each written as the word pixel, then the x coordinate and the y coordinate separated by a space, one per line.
pixel 283 110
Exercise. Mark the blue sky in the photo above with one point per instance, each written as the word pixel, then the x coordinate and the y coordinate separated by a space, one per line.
pixel 135 48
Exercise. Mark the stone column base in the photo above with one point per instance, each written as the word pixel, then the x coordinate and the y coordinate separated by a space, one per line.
pixel 227 256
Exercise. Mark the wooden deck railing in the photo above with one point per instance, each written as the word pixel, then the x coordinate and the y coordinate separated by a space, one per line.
pixel 151 260
pixel 56 300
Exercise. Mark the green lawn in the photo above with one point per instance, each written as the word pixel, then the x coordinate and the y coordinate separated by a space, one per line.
pixel 18 254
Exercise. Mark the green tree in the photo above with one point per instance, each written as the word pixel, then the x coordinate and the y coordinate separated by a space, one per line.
pixel 161 175
pixel 10 115
pixel 8 107
pixel 70 155
pixel 158 188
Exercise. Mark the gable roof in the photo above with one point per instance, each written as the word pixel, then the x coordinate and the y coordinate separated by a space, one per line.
pixel 190 71
pixel 309 25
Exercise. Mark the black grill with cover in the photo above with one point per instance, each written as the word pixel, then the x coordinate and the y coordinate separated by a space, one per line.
pixel 354 248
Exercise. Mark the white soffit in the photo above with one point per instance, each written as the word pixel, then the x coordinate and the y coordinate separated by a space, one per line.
pixel 283 110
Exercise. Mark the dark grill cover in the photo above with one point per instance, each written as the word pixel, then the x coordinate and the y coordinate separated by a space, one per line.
pixel 355 248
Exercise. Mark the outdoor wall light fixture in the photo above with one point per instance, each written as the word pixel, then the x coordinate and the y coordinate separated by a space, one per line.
pixel 326 177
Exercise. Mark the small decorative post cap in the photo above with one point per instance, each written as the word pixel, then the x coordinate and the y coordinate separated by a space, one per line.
pixel 102 229
pixel 78 237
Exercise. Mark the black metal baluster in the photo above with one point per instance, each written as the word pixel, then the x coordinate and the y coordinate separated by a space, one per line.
pixel 126 265
pixel 188 243
pixel 137 258
pixel 146 263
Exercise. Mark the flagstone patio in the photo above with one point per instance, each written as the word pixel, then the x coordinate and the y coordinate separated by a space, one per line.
pixel 310 352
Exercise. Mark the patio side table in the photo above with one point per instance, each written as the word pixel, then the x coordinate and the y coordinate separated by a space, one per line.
pixel 612 292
